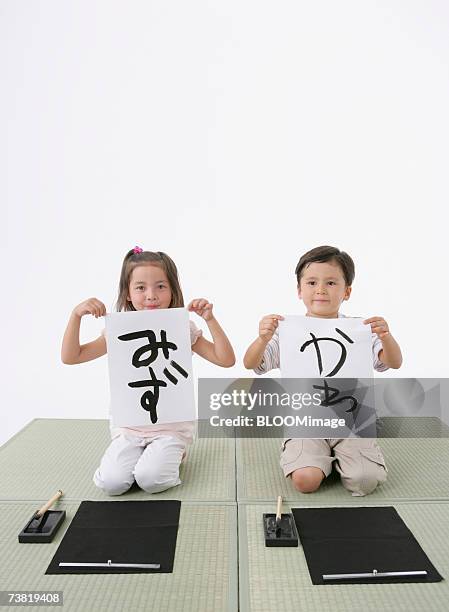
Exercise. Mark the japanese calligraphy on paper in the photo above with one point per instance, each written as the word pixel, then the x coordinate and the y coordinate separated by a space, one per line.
pixel 311 347
pixel 150 367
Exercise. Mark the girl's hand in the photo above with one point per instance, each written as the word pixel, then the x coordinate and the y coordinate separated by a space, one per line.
pixel 268 325
pixel 91 306
pixel 378 326
pixel 202 308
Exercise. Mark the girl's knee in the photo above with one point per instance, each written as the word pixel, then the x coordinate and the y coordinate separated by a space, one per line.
pixel 112 484
pixel 158 468
pixel 307 479
pixel 152 480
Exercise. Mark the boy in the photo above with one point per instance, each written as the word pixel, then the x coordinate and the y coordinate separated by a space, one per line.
pixel 325 276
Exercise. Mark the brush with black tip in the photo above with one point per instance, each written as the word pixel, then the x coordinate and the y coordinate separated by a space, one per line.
pixel 280 529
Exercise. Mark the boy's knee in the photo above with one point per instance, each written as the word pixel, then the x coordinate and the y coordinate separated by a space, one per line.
pixel 307 480
pixel 364 481
pixel 112 484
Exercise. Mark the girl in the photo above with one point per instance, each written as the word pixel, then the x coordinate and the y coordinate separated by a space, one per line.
pixel 150 455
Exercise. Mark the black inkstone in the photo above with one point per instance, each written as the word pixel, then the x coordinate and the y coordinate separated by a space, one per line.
pixel 42 531
pixel 283 535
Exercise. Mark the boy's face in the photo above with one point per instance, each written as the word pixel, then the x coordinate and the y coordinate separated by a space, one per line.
pixel 323 288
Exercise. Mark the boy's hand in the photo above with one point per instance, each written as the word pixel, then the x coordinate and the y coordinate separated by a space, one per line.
pixel 91 306
pixel 378 326
pixel 202 308
pixel 268 325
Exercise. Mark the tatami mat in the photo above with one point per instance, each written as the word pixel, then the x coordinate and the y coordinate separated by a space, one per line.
pixel 51 454
pixel 417 469
pixel 219 475
pixel 412 427
pixel 204 576
pixel 278 578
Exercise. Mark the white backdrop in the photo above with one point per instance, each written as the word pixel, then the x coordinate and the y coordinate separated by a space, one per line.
pixel 233 135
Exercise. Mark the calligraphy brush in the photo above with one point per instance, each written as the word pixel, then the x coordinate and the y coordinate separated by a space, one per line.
pixel 44 523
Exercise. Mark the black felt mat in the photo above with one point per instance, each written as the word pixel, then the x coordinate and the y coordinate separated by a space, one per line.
pixel 123 532
pixel 359 540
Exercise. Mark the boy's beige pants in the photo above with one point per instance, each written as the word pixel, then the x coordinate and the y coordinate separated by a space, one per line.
pixel 359 461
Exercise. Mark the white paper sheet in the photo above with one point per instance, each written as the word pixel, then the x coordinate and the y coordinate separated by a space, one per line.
pixel 311 347
pixel 166 363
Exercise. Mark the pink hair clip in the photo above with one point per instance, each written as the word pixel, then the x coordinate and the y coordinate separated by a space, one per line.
pixel 137 249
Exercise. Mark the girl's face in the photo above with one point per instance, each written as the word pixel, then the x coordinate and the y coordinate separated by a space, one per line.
pixel 149 288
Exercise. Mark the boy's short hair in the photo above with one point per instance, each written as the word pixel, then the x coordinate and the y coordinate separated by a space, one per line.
pixel 327 253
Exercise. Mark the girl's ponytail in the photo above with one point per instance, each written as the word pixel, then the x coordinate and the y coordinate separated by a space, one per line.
pixel 177 300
